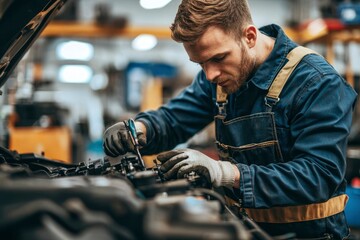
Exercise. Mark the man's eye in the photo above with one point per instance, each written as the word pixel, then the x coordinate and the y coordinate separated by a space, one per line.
pixel 218 59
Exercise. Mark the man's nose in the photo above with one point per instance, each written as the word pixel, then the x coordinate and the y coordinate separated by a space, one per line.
pixel 211 72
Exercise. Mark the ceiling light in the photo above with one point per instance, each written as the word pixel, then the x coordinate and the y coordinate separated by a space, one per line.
pixel 144 42
pixel 153 4
pixel 75 73
pixel 75 50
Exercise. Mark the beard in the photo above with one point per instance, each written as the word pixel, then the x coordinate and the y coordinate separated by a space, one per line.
pixel 245 70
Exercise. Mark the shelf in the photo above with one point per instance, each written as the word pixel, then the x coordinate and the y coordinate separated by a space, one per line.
pixel 346 35
pixel 325 31
pixel 92 30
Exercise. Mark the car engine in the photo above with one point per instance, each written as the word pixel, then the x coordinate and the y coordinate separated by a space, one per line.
pixel 110 199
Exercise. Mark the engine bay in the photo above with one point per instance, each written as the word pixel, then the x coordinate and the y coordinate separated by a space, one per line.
pixel 107 199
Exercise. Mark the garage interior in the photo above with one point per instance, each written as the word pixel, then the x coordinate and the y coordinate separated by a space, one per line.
pixel 99 62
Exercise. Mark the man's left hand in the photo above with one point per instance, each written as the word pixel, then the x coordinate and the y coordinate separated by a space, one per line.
pixel 177 163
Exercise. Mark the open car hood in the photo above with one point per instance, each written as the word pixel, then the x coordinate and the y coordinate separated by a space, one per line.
pixel 21 22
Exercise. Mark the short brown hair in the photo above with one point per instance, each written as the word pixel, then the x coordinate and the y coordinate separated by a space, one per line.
pixel 195 16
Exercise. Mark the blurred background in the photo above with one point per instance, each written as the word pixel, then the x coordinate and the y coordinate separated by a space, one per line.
pixel 101 61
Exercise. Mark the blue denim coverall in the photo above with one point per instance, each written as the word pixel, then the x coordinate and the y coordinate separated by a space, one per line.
pixel 312 123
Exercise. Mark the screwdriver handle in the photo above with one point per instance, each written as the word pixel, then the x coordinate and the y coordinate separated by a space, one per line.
pixel 133 133
pixel 131 127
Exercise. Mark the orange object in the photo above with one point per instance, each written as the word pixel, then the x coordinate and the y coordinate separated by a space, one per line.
pixel 152 99
pixel 52 142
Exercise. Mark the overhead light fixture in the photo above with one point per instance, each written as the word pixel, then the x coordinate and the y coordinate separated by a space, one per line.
pixel 153 4
pixel 75 50
pixel 75 74
pixel 144 42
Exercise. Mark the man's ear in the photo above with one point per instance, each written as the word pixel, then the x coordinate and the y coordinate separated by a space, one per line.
pixel 250 35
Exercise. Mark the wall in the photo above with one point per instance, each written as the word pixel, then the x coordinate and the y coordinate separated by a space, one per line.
pixel 163 17
pixel 170 51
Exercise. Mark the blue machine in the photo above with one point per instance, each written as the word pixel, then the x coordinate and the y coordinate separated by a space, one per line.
pixel 349 13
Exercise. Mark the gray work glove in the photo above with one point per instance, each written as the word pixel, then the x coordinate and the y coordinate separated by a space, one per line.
pixel 177 163
pixel 117 140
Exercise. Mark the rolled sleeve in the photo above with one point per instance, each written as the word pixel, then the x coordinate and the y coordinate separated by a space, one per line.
pixel 246 185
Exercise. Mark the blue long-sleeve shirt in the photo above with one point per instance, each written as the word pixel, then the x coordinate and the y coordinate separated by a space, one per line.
pixel 313 120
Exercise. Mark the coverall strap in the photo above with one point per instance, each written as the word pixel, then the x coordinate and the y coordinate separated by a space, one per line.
pixel 221 96
pixel 294 57
pixel 299 213
pixel 221 101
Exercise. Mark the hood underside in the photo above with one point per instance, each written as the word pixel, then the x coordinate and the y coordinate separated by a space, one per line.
pixel 21 22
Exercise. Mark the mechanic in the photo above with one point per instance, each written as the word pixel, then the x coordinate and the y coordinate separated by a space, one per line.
pixel 282 117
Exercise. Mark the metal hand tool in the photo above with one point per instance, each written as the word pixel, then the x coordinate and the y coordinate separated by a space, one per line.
pixel 130 125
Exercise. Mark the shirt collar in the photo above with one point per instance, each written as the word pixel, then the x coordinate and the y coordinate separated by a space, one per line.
pixel 268 70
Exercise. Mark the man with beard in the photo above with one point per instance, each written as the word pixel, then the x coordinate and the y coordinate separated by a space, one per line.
pixel 282 117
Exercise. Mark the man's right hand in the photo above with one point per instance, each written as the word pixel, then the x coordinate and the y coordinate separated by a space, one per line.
pixel 117 139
